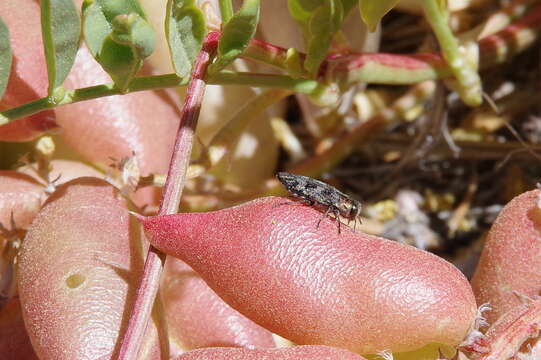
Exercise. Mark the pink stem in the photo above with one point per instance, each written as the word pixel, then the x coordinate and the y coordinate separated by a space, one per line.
pixel 505 337
pixel 146 293
pixel 347 67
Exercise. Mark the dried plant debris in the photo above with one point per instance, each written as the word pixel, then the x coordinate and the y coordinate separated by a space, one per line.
pixel 439 172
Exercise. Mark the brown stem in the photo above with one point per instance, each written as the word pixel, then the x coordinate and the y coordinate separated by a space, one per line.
pixel 146 293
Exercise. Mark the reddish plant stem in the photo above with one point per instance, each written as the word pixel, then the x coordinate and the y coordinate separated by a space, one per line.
pixel 505 337
pixel 343 68
pixel 148 288
pixel 397 68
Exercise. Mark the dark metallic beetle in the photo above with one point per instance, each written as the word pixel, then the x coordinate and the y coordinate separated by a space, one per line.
pixel 316 192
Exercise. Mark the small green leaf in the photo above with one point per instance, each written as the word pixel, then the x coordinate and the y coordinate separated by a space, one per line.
pixel 119 62
pixel 61 28
pixel 112 8
pixel 95 26
pixel 124 49
pixel 319 20
pixel 226 10
pixel 118 36
pixel 185 30
pixel 98 17
pixel 373 10
pixel 5 57
pixel 324 23
pixel 301 10
pixel 133 31
pixel 293 63
pixel 237 33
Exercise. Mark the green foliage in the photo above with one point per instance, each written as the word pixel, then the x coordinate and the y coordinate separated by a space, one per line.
pixel 60 28
pixel 113 8
pixel 237 33
pixel 95 26
pixel 185 31
pixel 301 10
pixel 226 10
pixel 320 20
pixel 324 23
pixel 293 63
pixel 118 36
pixel 373 10
pixel 468 83
pixel 133 31
pixel 5 57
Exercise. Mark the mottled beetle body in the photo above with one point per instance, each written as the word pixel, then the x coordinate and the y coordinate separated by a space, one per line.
pixel 317 192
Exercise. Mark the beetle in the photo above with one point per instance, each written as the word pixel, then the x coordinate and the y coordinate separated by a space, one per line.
pixel 316 192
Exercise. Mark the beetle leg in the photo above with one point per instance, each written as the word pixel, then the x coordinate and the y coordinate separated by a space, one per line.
pixel 329 209
pixel 337 217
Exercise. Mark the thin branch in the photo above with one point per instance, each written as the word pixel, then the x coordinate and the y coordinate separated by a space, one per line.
pixel 345 69
pixel 146 293
pixel 304 86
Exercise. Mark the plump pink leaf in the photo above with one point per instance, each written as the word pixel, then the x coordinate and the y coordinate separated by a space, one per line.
pixel 197 317
pixel 143 124
pixel 28 78
pixel 79 266
pixel 294 353
pixel 21 196
pixel 20 200
pixel 510 263
pixel 14 341
pixel 268 260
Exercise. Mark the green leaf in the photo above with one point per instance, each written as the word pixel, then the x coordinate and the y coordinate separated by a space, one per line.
pixel 301 10
pixel 185 30
pixel 119 62
pixel 319 20
pixel 98 17
pixel 237 33
pixel 96 27
pixel 373 10
pixel 5 57
pixel 324 23
pixel 112 8
pixel 118 36
pixel 226 10
pixel 133 31
pixel 61 29
pixel 124 49
pixel 293 63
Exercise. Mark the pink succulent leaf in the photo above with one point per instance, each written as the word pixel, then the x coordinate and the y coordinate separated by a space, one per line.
pixel 197 317
pixel 267 259
pixel 510 263
pixel 78 267
pixel 14 341
pixel 28 78
pixel 293 353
